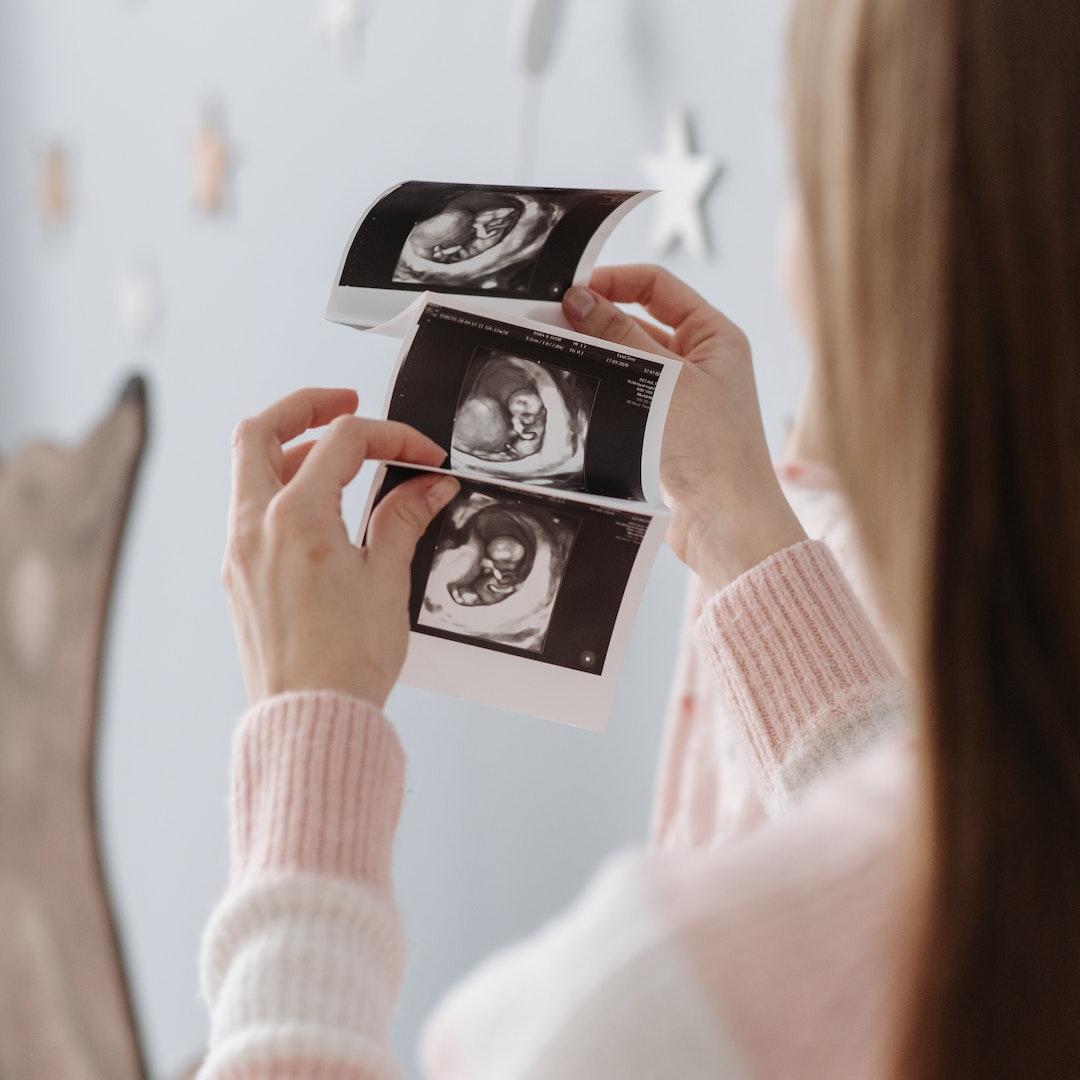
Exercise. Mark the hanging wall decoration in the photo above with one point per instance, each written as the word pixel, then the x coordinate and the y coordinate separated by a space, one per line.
pixel 140 302
pixel 343 23
pixel 683 179
pixel 534 30
pixel 213 161
pixel 534 27
pixel 65 1010
pixel 54 185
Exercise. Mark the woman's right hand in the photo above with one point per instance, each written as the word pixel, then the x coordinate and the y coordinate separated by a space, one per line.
pixel 728 512
pixel 312 610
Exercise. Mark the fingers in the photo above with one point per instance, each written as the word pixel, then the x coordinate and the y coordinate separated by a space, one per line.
pixel 667 299
pixel 592 314
pixel 661 336
pixel 399 521
pixel 350 441
pixel 257 455
pixel 658 291
pixel 301 411
pixel 293 457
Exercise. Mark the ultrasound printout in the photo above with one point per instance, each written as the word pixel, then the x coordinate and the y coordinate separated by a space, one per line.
pixel 520 248
pixel 525 402
pixel 525 587
pixel 524 598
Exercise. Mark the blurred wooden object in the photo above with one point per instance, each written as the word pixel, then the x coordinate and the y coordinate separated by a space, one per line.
pixel 65 1010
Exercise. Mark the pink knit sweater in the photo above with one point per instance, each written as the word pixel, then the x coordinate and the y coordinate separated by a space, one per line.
pixel 708 785
pixel 773 954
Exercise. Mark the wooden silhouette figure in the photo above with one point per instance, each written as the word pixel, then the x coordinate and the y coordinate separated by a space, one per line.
pixel 65 1010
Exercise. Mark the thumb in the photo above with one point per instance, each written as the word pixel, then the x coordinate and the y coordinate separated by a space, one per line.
pixel 399 521
pixel 590 313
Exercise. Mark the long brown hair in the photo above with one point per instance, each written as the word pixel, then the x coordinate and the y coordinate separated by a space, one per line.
pixel 937 147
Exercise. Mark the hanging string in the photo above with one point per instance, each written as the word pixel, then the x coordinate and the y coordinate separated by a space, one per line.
pixel 528 131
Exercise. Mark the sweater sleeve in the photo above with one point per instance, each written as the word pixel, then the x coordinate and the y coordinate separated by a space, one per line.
pixel 801 669
pixel 303 958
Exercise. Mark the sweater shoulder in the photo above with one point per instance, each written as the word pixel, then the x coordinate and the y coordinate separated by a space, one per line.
pixel 803 919
pixel 599 992
pixel 682 963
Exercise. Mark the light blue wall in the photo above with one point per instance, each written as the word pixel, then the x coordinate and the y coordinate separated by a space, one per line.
pixel 505 815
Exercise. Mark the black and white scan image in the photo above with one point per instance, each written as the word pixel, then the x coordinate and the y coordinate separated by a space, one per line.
pixel 479 239
pixel 520 419
pixel 497 570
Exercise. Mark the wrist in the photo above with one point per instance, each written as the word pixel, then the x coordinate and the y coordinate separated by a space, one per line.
pixel 722 550
pixel 358 679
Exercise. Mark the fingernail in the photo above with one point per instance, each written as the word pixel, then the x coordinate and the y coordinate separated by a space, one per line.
pixel 579 301
pixel 442 491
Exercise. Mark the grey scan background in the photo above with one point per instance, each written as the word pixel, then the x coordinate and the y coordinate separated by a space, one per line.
pixel 505 816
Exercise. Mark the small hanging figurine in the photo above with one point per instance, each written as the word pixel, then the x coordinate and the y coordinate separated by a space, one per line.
pixel 54 185
pixel 212 159
pixel 140 302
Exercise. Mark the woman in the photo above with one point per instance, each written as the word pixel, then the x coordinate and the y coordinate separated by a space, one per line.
pixel 914 908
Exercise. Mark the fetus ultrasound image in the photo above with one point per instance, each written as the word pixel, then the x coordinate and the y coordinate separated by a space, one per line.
pixel 480 239
pixel 523 420
pixel 497 569
pixel 518 243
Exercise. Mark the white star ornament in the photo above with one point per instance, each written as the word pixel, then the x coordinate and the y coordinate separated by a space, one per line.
pixel 343 22
pixel 683 179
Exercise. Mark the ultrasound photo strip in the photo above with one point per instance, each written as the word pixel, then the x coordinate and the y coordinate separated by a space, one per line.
pixel 520 248
pixel 524 599
pixel 521 401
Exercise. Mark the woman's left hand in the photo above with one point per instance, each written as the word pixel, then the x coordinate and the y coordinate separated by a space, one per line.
pixel 728 511
pixel 313 611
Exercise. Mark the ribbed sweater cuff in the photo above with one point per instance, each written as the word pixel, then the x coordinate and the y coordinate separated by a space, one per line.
pixel 317 788
pixel 800 665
